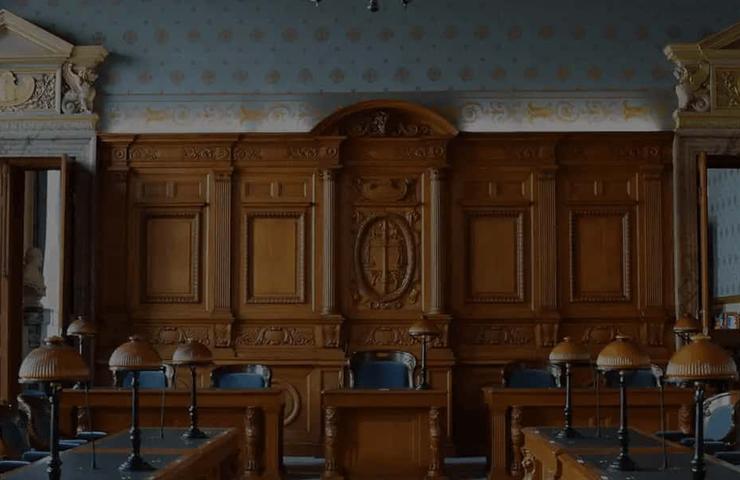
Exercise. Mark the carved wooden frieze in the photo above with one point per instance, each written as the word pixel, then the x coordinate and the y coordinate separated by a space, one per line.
pixel 496 334
pixel 206 153
pixel 173 335
pixel 727 88
pixel 274 336
pixel 368 335
pixel 385 259
pixel 385 189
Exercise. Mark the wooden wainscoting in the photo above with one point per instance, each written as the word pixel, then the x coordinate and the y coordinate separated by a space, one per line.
pixel 292 249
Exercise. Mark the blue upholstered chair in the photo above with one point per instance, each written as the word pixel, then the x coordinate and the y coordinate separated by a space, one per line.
pixel 643 378
pixel 720 430
pixel 519 375
pixel 241 377
pixel 148 380
pixel 377 369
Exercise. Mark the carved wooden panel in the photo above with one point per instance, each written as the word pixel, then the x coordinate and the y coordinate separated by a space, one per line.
pixel 274 256
pixel 170 249
pixel 495 255
pixel 532 237
pixel 600 257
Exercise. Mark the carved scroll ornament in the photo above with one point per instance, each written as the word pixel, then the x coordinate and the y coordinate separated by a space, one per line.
pixel 692 89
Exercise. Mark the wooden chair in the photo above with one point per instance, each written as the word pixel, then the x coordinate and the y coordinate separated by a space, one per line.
pixel 148 380
pixel 241 376
pixel 526 375
pixel 720 424
pixel 380 369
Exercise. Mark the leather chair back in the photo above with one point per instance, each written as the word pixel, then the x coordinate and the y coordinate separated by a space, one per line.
pixel 378 369
pixel 14 440
pixel 720 417
pixel 148 380
pixel 520 375
pixel 241 377
pixel 643 378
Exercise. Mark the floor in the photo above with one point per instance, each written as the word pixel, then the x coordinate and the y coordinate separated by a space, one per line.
pixel 458 468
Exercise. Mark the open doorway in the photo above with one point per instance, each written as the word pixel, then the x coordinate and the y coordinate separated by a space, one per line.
pixel 33 261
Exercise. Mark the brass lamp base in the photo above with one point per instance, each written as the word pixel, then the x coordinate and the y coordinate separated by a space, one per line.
pixel 134 463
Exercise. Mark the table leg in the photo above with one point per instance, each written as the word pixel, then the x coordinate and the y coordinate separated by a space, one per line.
pixel 517 441
pixel 436 462
pixel 253 434
pixel 499 444
pixel 331 468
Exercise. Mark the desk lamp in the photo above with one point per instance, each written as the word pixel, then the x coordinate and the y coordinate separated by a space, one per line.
pixel 686 326
pixel 53 363
pixel 135 356
pixel 622 355
pixel 699 363
pixel 425 330
pixel 193 354
pixel 568 353
pixel 85 331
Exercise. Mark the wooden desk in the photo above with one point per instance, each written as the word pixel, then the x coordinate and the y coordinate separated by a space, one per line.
pixel 214 458
pixel 383 434
pixel 511 409
pixel 258 413
pixel 588 458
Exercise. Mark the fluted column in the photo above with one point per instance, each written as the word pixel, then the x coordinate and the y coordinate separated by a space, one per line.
pixel 329 302
pixel 436 294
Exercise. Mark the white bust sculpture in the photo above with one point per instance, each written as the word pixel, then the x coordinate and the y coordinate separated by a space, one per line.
pixel 34 288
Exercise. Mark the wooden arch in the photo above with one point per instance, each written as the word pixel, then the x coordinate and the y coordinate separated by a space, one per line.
pixel 385 118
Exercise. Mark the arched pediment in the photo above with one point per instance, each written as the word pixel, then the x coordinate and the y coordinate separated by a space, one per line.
pixel 385 119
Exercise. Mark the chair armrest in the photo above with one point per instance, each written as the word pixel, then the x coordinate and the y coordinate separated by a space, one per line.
pixel 732 457
pixel 8 465
pixel 33 455
pixel 66 443
pixel 712 447
pixel 672 435
pixel 89 436
pixel 687 442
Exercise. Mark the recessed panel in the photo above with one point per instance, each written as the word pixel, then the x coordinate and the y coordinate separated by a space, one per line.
pixel 171 256
pixel 274 257
pixel 600 268
pixel 495 255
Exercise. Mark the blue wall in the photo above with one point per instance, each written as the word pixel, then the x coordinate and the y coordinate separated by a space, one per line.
pixel 291 48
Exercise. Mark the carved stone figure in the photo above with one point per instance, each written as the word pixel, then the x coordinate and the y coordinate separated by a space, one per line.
pixel 693 87
pixel 80 94
pixel 34 288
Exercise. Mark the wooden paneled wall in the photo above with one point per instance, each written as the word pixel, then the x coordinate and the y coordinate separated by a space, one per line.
pixel 293 249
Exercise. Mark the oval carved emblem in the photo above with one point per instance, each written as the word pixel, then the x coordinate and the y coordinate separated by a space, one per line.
pixel 15 90
pixel 385 257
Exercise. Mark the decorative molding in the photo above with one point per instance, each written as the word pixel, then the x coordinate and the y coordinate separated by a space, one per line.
pixel 275 336
pixel 503 111
pixel 384 189
pixel 141 153
pixel 244 153
pixel 173 335
pixel 392 335
pixel 206 154
pixel 491 334
pixel 27 92
pixel 300 267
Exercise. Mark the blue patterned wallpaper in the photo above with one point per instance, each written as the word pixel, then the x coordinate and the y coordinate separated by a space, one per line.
pixel 724 220
pixel 199 50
